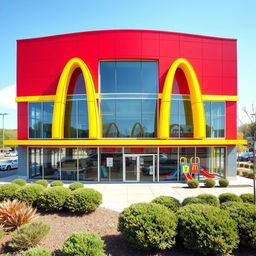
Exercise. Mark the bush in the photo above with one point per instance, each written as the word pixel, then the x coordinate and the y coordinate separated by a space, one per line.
pixel 168 201
pixel 36 252
pixel 7 191
pixel 247 198
pixel 43 183
pixel 29 193
pixel 83 243
pixel 209 183
pixel 226 197
pixel 191 200
pixel 57 183
pixel 2 233
pixel 193 183
pixel 245 216
pixel 148 225
pixel 245 173
pixel 83 200
pixel 14 214
pixel 53 199
pixel 209 199
pixel 207 229
pixel 75 185
pixel 250 176
pixel 19 182
pixel 223 183
pixel 29 235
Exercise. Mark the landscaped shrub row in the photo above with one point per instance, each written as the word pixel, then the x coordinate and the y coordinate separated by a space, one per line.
pixel 209 183
pixel 54 198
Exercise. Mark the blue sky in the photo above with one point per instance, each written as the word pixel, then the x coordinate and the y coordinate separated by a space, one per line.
pixel 27 19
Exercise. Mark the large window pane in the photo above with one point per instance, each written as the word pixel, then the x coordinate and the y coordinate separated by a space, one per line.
pixel 51 163
pixel 35 120
pixel 70 130
pixel 186 119
pixel 47 117
pixel 149 118
pixel 108 77
pixel 35 163
pixel 149 77
pixel 82 119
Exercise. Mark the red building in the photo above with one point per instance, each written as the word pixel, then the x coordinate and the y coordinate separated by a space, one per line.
pixel 126 105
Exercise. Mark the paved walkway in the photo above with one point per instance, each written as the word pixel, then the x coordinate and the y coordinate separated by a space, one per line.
pixel 119 196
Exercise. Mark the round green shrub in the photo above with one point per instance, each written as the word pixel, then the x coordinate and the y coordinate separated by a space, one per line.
pixel 191 200
pixel 209 183
pixel 223 183
pixel 43 183
pixel 75 185
pixel 250 176
pixel 83 200
pixel 29 193
pixel 245 216
pixel 20 182
pixel 57 183
pixel 36 252
pixel 29 235
pixel 168 201
pixel 53 199
pixel 207 229
pixel 247 198
pixel 83 243
pixel 148 225
pixel 226 197
pixel 2 233
pixel 209 199
pixel 7 191
pixel 245 173
pixel 193 183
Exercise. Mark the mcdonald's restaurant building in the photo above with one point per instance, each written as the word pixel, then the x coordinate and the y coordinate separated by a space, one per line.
pixel 126 106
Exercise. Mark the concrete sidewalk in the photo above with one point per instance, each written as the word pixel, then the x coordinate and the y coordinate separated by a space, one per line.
pixel 119 196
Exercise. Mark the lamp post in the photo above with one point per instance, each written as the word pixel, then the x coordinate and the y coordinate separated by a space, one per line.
pixel 254 158
pixel 3 114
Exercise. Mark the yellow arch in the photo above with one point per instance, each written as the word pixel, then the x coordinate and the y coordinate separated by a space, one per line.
pixel 109 128
pixel 141 129
pixel 60 100
pixel 196 100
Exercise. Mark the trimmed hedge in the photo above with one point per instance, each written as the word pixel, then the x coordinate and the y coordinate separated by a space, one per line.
pixel 223 183
pixel 75 185
pixel 53 199
pixel 83 200
pixel 245 216
pixel 247 198
pixel 226 197
pixel 209 199
pixel 36 252
pixel 7 191
pixel 209 183
pixel 29 235
pixel 20 182
pixel 148 225
pixel 29 193
pixel 83 243
pixel 44 183
pixel 191 200
pixel 207 229
pixel 193 183
pixel 57 183
pixel 168 201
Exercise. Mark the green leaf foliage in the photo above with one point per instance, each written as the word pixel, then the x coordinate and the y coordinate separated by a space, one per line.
pixel 7 191
pixel 247 198
pixel 209 199
pixel 57 183
pixel 36 252
pixel 75 185
pixel 148 225
pixel 168 201
pixel 209 183
pixel 207 229
pixel 226 197
pixel 223 183
pixel 43 183
pixel 20 182
pixel 193 183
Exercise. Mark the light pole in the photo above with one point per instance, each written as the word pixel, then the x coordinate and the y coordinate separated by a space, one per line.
pixel 3 114
pixel 254 158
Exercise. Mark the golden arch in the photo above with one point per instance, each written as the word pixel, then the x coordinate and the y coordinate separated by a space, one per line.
pixel 196 100
pixel 141 129
pixel 60 100
pixel 109 128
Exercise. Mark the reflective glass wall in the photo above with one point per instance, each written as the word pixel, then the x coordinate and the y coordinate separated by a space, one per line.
pixel 129 92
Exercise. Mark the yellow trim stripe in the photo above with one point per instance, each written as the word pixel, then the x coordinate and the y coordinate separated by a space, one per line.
pixel 124 142
pixel 205 97
pixel 196 100
pixel 219 98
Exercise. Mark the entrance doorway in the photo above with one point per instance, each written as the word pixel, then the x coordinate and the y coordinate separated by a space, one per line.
pixel 139 167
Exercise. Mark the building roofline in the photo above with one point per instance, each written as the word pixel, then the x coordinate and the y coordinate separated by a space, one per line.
pixel 125 30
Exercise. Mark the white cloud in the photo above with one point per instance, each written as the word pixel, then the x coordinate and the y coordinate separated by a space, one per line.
pixel 7 97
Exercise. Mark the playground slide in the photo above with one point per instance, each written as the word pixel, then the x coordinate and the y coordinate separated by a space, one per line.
pixel 188 177
pixel 207 174
pixel 170 176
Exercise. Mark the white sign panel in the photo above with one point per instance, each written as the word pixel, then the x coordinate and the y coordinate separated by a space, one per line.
pixel 109 161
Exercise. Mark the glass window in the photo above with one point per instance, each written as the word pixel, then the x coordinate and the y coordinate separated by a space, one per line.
pixel 219 161
pixel 47 124
pixel 35 163
pixel 51 158
pixel 35 120
pixel 69 162
pixel 108 77
pixel 82 119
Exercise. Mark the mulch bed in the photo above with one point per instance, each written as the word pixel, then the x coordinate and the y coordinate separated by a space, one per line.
pixel 103 222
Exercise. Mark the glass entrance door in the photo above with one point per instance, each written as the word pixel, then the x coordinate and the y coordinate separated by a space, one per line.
pixel 139 168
